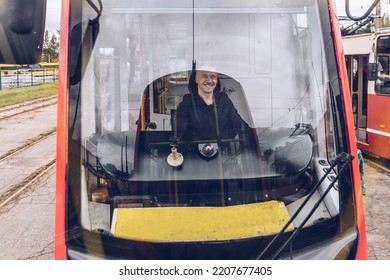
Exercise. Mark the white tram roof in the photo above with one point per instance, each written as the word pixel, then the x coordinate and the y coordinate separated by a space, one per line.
pixel 362 43
pixel 358 44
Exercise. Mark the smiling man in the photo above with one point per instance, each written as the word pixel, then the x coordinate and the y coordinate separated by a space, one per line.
pixel 206 112
pixel 207 82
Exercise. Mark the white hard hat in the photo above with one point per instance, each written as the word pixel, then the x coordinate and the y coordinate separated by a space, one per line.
pixel 206 67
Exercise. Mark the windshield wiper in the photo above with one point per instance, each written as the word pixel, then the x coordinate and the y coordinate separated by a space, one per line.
pixel 344 159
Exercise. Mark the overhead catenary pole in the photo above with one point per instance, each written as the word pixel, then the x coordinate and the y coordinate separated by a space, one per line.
pixel 378 20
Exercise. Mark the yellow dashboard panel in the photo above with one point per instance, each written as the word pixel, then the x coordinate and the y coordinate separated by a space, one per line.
pixel 169 224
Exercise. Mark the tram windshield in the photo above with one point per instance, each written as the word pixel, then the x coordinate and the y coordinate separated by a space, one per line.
pixel 152 145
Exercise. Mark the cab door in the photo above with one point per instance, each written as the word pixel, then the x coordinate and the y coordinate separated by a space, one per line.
pixel 357 72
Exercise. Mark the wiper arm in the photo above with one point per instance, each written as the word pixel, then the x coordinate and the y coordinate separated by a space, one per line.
pixel 342 158
pixel 305 129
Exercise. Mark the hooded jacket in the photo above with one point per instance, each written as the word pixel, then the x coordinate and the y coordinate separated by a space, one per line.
pixel 200 121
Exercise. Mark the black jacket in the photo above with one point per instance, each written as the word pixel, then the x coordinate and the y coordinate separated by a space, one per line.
pixel 208 122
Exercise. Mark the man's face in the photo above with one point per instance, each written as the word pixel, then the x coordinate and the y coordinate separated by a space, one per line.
pixel 207 81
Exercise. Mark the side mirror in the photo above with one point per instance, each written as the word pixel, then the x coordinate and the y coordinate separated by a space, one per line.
pixel 22 25
pixel 372 74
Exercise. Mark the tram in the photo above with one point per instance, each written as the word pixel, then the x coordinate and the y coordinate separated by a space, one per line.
pixel 131 185
pixel 284 184
pixel 367 59
pixel 9 69
pixel 46 69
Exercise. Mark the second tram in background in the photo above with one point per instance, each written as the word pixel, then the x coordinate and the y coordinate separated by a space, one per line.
pixel 368 65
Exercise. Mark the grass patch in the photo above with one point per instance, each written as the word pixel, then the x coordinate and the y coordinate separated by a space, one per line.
pixel 17 95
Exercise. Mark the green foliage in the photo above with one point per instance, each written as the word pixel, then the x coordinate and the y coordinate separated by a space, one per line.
pixel 18 95
pixel 50 49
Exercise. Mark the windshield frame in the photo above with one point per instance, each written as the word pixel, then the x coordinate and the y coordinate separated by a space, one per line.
pixel 76 149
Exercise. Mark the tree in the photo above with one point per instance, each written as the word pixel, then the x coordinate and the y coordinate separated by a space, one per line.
pixel 385 20
pixel 50 48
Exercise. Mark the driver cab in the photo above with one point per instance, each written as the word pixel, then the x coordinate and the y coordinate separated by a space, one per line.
pixel 156 162
pixel 151 161
pixel 201 162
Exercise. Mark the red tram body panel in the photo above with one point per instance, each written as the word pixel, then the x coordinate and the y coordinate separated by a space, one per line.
pixel 378 126
pixel 62 137
pixel 360 221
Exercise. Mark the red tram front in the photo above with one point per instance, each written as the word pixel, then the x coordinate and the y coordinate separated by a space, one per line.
pixel 131 185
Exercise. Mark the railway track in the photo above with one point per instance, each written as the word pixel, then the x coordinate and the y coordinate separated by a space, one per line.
pixel 20 169
pixel 29 143
pixel 27 179
pixel 27 146
pixel 26 107
pixel 381 164
pixel 19 188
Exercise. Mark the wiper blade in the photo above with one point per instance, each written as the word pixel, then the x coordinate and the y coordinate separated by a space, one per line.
pixel 305 128
pixel 344 159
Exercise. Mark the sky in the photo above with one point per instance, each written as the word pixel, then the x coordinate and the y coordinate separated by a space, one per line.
pixel 53 16
pixel 357 8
